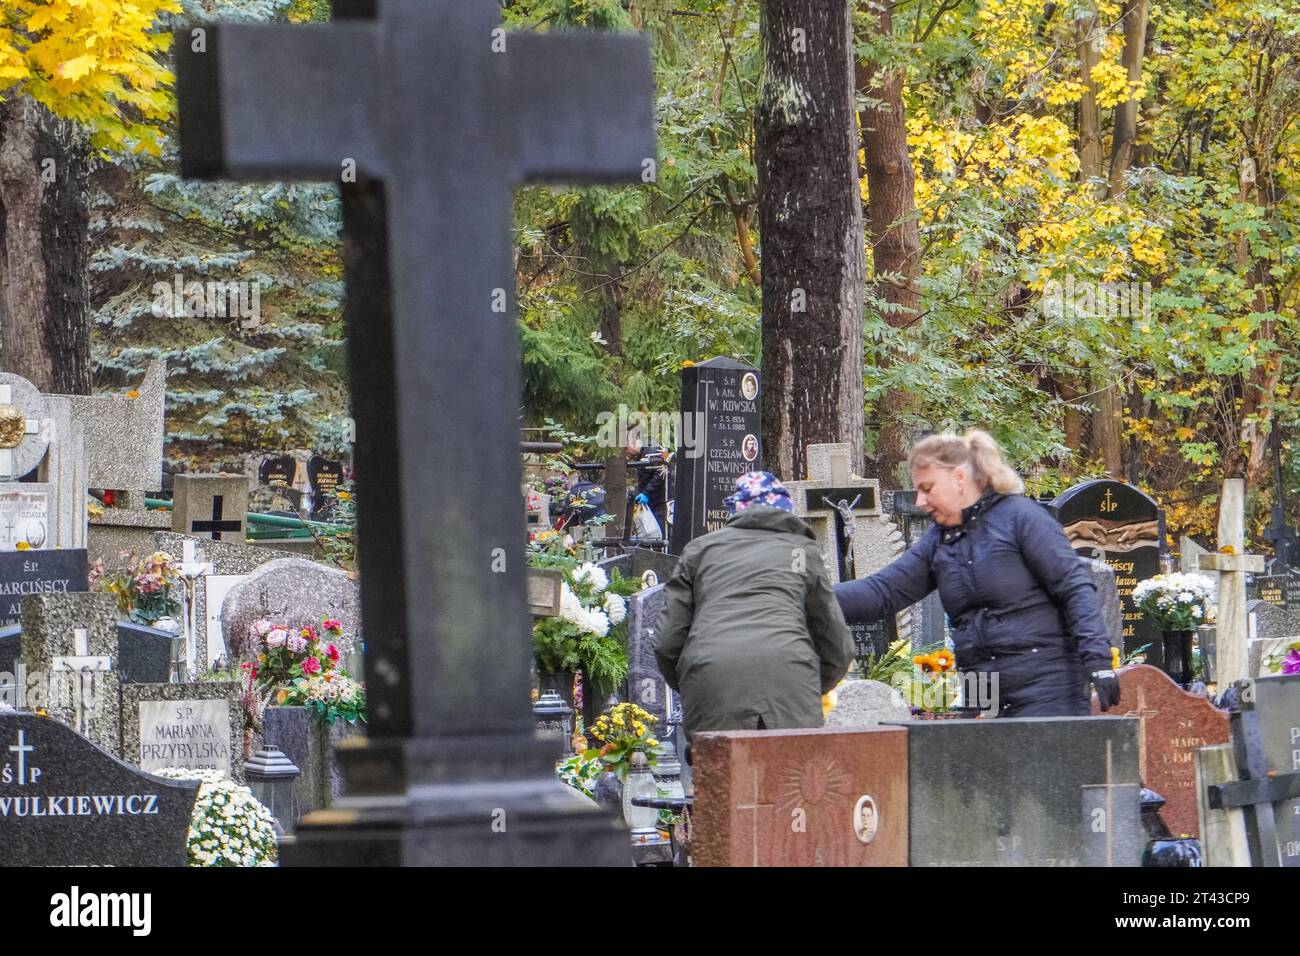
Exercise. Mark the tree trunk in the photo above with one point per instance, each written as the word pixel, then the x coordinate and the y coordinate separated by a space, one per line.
pixel 1089 123
pixel 1126 113
pixel 895 241
pixel 810 223
pixel 44 317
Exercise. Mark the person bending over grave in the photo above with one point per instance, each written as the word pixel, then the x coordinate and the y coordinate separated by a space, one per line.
pixel 751 635
pixel 651 484
pixel 1020 601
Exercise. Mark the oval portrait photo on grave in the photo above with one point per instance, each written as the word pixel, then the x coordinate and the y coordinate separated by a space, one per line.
pixel 866 819
pixel 749 386
pixel 749 448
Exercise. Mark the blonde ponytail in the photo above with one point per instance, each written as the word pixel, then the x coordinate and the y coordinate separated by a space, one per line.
pixel 976 451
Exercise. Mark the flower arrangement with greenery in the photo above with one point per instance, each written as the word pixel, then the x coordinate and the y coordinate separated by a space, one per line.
pixel 622 731
pixel 580 772
pixel 590 632
pixel 1286 662
pixel 932 682
pixel 302 668
pixel 147 589
pixel 228 827
pixel 1176 602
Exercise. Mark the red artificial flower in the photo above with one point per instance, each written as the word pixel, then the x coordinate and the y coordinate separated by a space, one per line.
pixel 333 624
pixel 332 652
pixel 311 666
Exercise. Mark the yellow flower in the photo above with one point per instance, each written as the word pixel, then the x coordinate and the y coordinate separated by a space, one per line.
pixel 344 496
pixel 134 393
pixel 23 546
pixel 651 742
pixel 688 364
pixel 282 696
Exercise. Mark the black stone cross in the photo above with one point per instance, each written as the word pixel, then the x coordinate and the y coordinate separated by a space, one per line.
pixel 216 526
pixel 1262 793
pixel 449 113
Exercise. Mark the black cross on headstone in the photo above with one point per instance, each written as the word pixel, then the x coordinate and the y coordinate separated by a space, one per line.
pixel 1260 792
pixel 449 113
pixel 216 526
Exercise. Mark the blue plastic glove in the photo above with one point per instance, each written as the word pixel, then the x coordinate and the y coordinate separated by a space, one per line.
pixel 641 499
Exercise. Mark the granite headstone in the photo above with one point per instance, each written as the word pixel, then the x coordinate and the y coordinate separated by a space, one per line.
pixel 721 440
pixel 1276 701
pixel 66 802
pixel 1116 523
pixel 1174 725
pixel 824 797
pixel 1025 791
pixel 865 703
pixel 294 592
pixel 646 686
pixel 38 572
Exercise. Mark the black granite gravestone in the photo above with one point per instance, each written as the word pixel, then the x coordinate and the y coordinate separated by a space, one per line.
pixel 1281 590
pixel 873 639
pixel 432 114
pixel 325 476
pixel 65 802
pixel 279 471
pixel 1116 523
pixel 721 440
pixel 645 684
pixel 1027 791
pixel 39 572
pixel 144 654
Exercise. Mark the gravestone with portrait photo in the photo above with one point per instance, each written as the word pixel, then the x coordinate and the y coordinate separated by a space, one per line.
pixel 42 440
pixel 720 441
pixel 1115 523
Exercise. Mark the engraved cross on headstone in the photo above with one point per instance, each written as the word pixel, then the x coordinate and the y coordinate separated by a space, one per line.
pixel 449 112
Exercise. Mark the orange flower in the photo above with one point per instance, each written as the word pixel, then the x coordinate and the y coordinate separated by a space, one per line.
pixel 23 546
pixel 944 660
pixel 926 662
pixel 134 393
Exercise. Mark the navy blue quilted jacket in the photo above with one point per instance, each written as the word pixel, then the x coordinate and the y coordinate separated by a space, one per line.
pixel 1008 579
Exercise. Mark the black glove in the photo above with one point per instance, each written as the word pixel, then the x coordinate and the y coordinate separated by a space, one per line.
pixel 1107 685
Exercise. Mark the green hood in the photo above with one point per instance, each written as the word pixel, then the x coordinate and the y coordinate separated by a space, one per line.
pixel 768 518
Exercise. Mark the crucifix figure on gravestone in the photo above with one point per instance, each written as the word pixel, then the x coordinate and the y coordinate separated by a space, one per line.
pixel 82 680
pixel 448 112
pixel 191 571
pixel 1233 564
pixel 844 520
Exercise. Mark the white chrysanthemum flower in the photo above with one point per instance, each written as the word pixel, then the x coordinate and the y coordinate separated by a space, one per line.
pixel 615 607
pixel 593 575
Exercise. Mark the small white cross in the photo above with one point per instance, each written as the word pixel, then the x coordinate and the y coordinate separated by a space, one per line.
pixel 30 427
pixel 22 749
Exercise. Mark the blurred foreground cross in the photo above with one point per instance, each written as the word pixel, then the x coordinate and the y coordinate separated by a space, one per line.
pixel 439 114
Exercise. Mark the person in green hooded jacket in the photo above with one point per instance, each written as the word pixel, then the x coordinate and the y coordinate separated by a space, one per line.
pixel 751 636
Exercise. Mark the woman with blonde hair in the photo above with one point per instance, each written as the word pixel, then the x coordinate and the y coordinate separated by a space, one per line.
pixel 1020 601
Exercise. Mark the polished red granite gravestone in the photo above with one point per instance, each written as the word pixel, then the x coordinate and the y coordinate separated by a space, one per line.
pixel 824 797
pixel 1174 724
